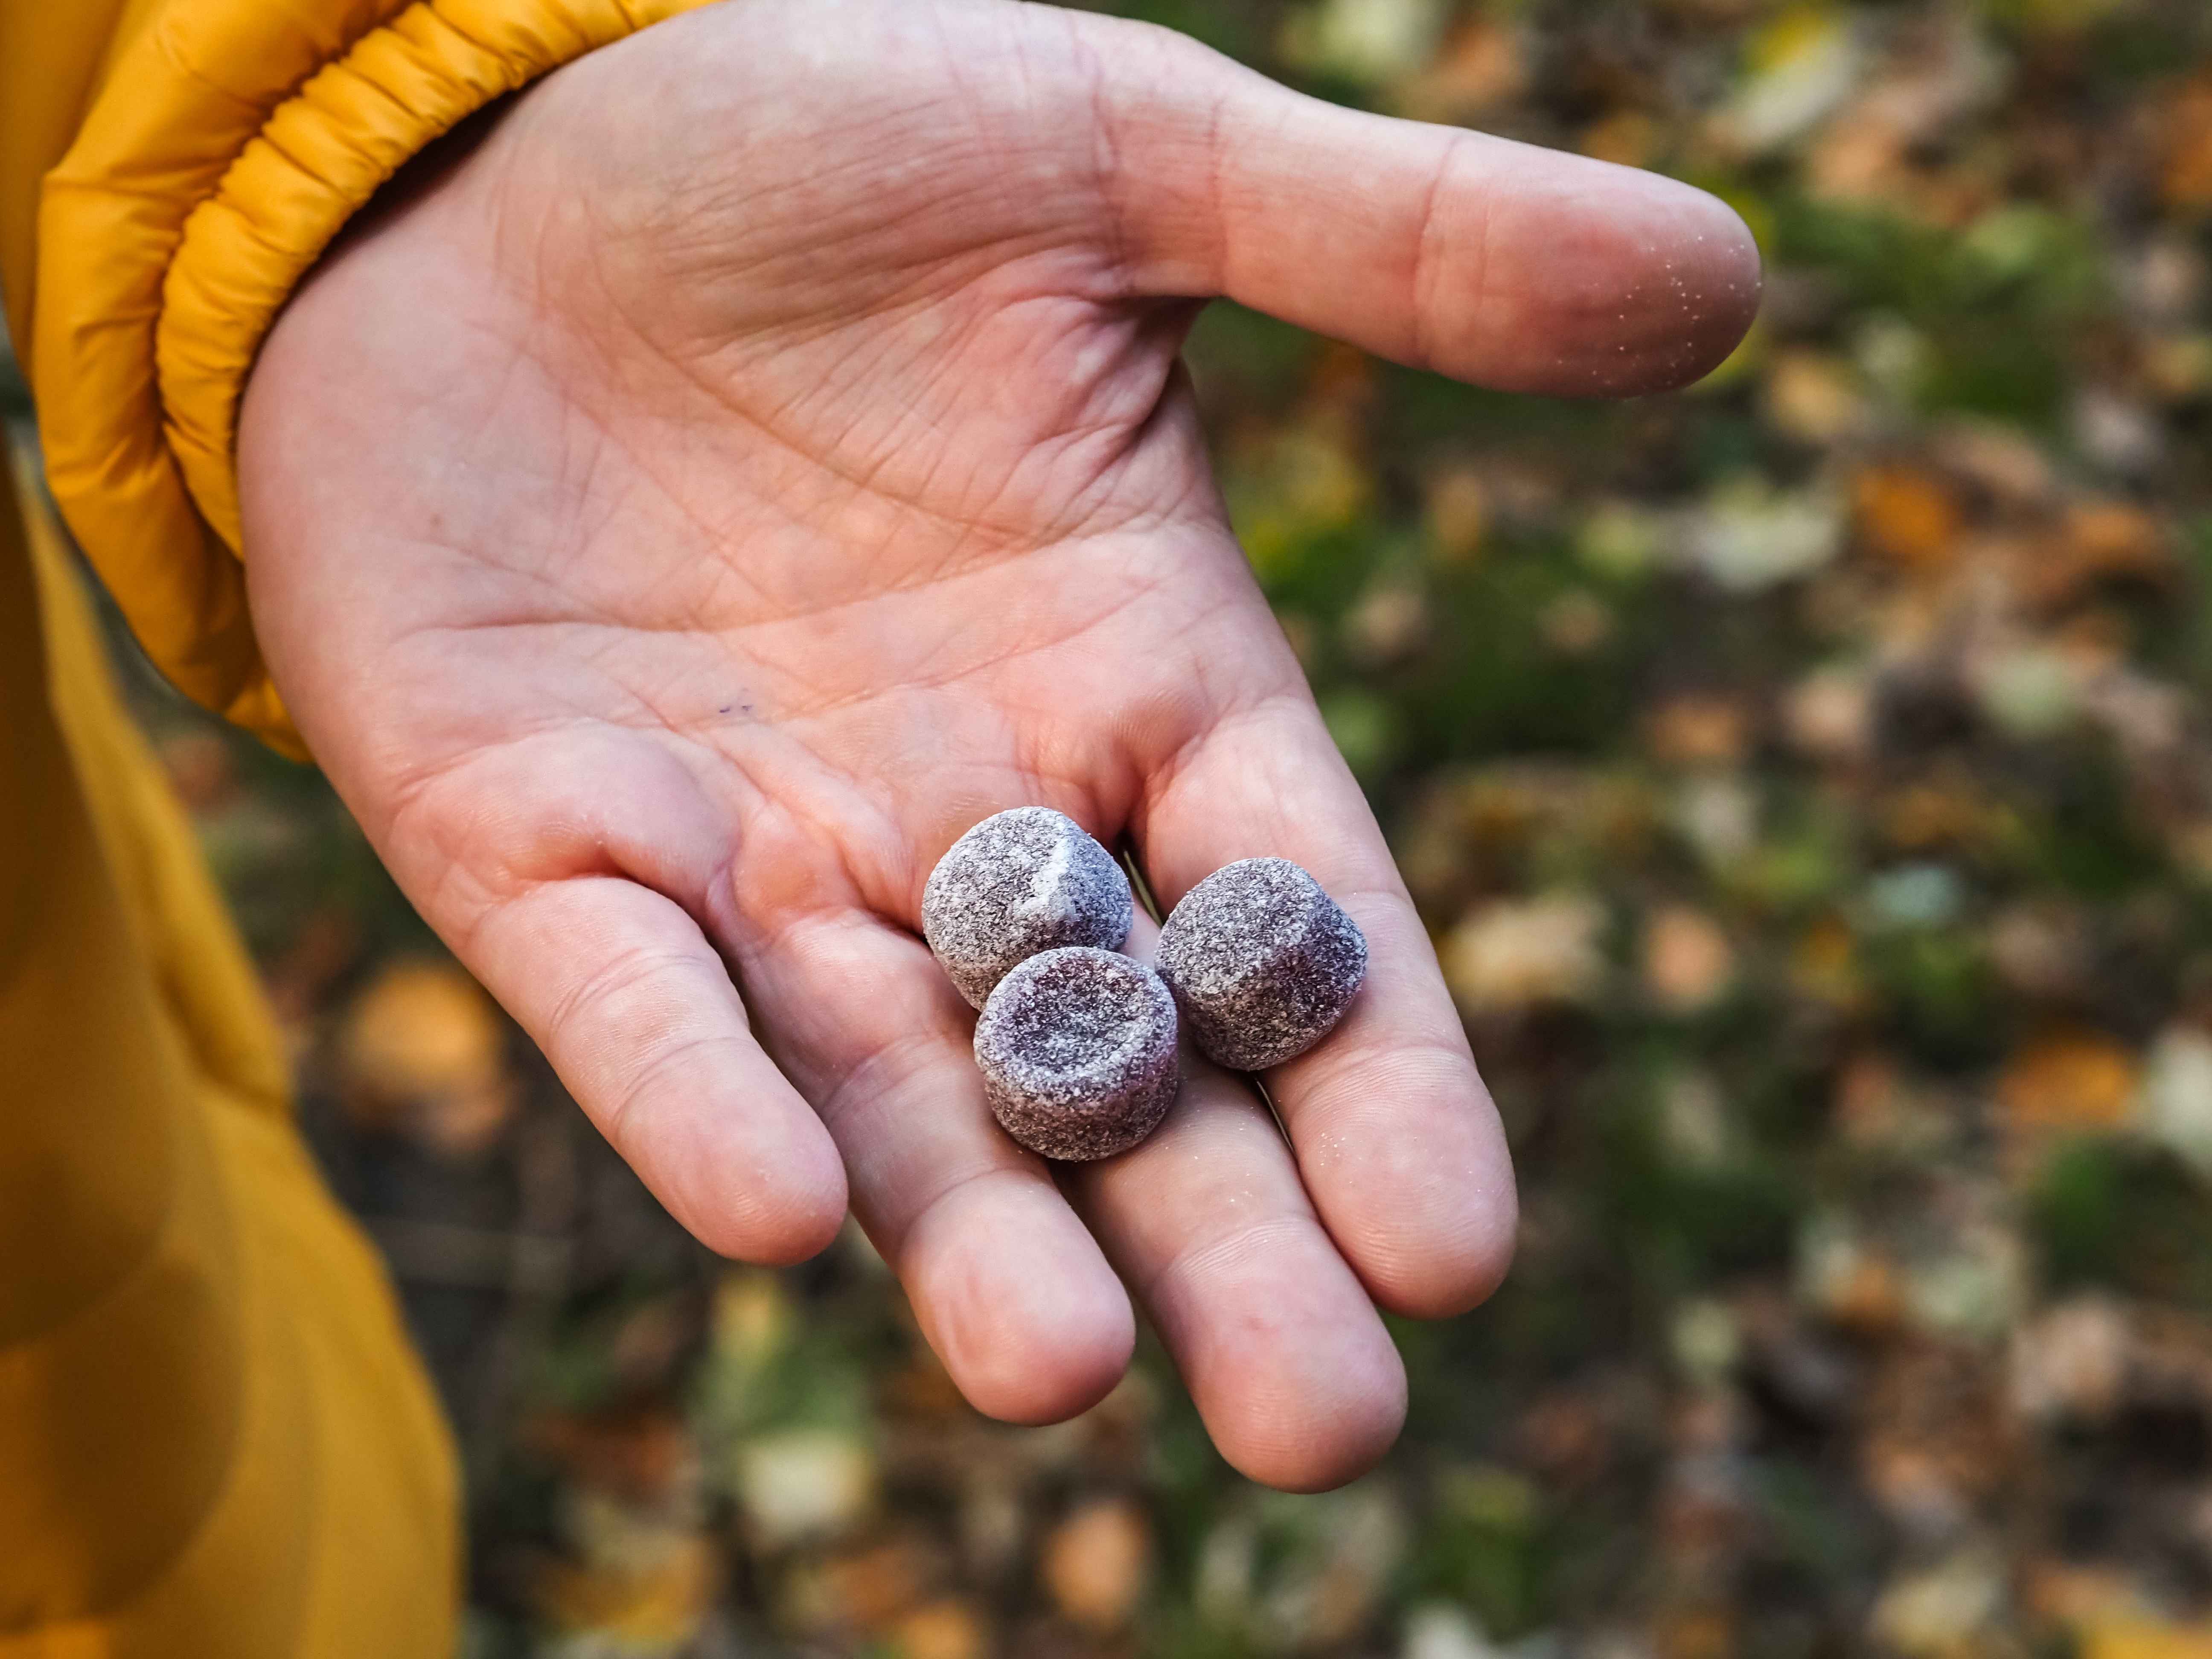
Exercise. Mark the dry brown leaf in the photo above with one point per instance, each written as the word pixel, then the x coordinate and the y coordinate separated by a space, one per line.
pixel 1097 1562
pixel 1700 729
pixel 2072 1361
pixel 2073 1082
pixel 1907 516
pixel 1389 624
pixel 642 1457
pixel 652 1603
pixel 943 1630
pixel 1829 714
pixel 1869 1296
pixel 1576 624
pixel 2185 177
pixel 1950 812
pixel 867 1590
pixel 423 1050
pixel 1688 963
pixel 2101 542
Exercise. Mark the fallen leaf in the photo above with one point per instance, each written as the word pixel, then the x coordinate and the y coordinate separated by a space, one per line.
pixel 2135 1639
pixel 803 1483
pixel 1514 954
pixel 942 1630
pixel 1829 713
pixel 1441 1629
pixel 1698 729
pixel 422 1050
pixel 1688 963
pixel 1097 1562
pixel 866 1591
pixel 1626 137
pixel 1802 64
pixel 1576 624
pixel 2174 1106
pixel 641 1608
pixel 1906 516
pixel 1814 397
pixel 2185 177
pixel 2074 1083
pixel 1750 535
pixel 2071 1360
pixel 1931 1614
pixel 1387 625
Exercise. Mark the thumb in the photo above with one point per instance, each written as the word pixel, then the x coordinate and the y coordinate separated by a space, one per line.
pixel 1503 263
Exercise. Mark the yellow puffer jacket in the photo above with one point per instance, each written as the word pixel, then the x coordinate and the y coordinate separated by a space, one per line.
pixel 212 1439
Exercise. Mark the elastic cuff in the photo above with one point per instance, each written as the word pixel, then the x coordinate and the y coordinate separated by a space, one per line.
pixel 139 399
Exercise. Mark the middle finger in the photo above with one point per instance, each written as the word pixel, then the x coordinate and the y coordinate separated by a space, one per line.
pixel 1207 1222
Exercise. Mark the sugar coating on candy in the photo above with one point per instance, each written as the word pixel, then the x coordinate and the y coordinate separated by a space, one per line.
pixel 1020 882
pixel 1262 961
pixel 1077 1047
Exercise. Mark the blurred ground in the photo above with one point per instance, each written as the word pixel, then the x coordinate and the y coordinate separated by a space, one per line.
pixel 1806 779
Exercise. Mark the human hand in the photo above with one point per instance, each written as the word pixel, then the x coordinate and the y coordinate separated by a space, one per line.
pixel 763 455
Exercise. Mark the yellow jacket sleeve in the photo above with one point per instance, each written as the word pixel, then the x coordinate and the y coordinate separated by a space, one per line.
pixel 174 167
pixel 213 1438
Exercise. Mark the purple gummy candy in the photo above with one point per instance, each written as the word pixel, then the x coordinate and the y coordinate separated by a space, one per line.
pixel 1020 882
pixel 1077 1047
pixel 1262 962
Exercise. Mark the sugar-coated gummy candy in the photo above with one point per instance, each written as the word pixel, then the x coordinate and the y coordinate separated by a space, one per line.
pixel 1022 881
pixel 1077 1047
pixel 1262 962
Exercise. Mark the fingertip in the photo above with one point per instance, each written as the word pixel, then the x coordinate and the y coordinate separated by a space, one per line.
pixel 1323 1425
pixel 1033 1335
pixel 1642 282
pixel 1715 278
pixel 1462 1268
pixel 772 1198
pixel 1059 1369
pixel 1408 1165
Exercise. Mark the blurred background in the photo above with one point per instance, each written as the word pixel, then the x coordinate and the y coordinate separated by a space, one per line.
pixel 1807 779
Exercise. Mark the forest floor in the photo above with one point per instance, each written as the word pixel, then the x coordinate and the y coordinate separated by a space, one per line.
pixel 1807 779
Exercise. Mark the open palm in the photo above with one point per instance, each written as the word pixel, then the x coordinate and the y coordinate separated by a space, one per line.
pixel 762 454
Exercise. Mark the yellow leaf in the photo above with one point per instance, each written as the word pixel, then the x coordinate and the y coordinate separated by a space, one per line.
pixel 2073 1082
pixel 1906 516
pixel 943 1630
pixel 2142 1640
pixel 423 1049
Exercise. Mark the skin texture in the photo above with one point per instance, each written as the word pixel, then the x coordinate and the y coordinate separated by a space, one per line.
pixel 763 453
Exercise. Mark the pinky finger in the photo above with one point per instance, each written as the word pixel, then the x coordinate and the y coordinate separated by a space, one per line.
pixel 636 1012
